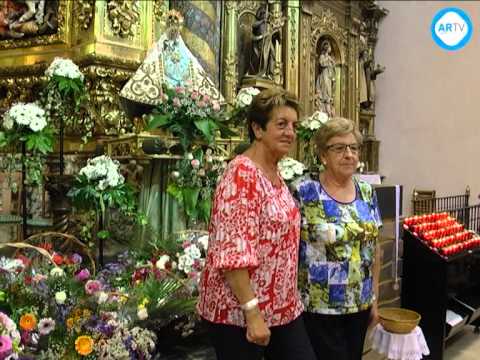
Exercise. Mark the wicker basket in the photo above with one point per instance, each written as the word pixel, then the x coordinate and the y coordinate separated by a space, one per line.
pixel 397 320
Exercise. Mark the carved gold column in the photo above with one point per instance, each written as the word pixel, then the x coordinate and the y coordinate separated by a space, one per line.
pixel 229 86
pixel 291 43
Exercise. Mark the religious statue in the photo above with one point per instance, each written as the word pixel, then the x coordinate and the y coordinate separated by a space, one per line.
pixel 368 74
pixel 326 80
pixel 19 18
pixel 169 62
pixel 266 39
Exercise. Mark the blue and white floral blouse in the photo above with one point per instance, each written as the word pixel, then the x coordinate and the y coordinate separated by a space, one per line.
pixel 337 248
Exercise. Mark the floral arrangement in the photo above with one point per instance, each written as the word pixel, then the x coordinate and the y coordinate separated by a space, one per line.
pixel 27 124
pixel 245 97
pixel 290 168
pixel 99 186
pixel 188 259
pixel 242 101
pixel 190 115
pixel 63 310
pixel 64 68
pixel 9 337
pixel 305 131
pixel 193 183
pixel 311 124
pixel 65 97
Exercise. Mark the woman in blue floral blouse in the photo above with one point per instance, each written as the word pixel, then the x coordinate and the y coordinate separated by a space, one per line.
pixel 339 261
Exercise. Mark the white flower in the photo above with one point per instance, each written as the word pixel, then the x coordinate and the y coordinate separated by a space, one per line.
pixel 142 313
pixel 57 272
pixel 289 168
pixel 185 263
pixel 64 67
pixel 37 124
pixel 203 241
pixel 160 264
pixel 11 265
pixel 60 297
pixel 102 297
pixel 193 251
pixel 314 124
pixel 7 122
pixel 189 156
pixel 245 96
pixel 104 170
pixel 29 114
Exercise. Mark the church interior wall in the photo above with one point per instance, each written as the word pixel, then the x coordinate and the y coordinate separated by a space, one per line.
pixel 427 119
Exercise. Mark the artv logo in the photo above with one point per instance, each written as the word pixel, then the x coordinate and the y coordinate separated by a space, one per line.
pixel 452 28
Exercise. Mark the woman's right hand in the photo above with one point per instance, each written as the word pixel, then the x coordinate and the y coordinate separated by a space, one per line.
pixel 257 329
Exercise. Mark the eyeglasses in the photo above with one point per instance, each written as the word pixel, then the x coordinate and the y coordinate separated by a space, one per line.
pixel 342 148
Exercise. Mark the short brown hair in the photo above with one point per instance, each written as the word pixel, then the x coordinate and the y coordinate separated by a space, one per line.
pixel 336 126
pixel 262 105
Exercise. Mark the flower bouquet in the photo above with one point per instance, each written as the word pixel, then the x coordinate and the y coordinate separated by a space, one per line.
pixel 190 116
pixel 63 310
pixel 306 131
pixel 100 186
pixel 26 124
pixel 65 96
pixel 290 169
pixel 193 183
pixel 242 102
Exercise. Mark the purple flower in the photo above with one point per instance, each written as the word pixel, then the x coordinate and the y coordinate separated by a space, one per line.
pixel 76 258
pixel 82 275
pixel 93 286
pixel 46 326
pixel 5 345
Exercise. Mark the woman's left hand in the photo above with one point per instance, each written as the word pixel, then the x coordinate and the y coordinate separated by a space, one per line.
pixel 374 319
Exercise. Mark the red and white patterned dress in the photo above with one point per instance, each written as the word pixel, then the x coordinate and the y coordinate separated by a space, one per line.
pixel 254 225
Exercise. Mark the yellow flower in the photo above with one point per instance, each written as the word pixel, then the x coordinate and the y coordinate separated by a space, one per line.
pixel 28 322
pixel 87 313
pixel 70 323
pixel 84 345
pixel 77 312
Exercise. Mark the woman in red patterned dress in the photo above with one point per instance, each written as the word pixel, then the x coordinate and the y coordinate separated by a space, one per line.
pixel 248 290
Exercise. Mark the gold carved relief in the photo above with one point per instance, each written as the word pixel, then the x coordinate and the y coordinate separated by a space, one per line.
pixel 124 16
pixel 104 84
pixel 84 13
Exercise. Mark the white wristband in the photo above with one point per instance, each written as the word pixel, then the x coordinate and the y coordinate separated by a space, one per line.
pixel 249 305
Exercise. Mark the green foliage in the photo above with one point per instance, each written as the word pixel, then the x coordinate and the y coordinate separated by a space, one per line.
pixel 190 116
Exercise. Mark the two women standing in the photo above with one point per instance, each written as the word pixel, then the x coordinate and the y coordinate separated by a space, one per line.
pixel 248 291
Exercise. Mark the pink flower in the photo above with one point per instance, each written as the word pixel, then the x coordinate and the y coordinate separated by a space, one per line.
pixel 194 95
pixel 39 277
pixel 215 106
pixel 76 258
pixel 179 90
pixel 5 346
pixel 206 98
pixel 93 286
pixel 46 326
pixel 82 275
pixel 195 163
pixel 176 102
pixel 201 104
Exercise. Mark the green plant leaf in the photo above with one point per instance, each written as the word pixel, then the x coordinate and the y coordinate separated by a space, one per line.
pixel 207 127
pixel 103 234
pixel 205 207
pixel 159 120
pixel 190 199
pixel 175 191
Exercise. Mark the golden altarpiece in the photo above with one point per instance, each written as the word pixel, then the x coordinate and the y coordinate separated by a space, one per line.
pixel 110 38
